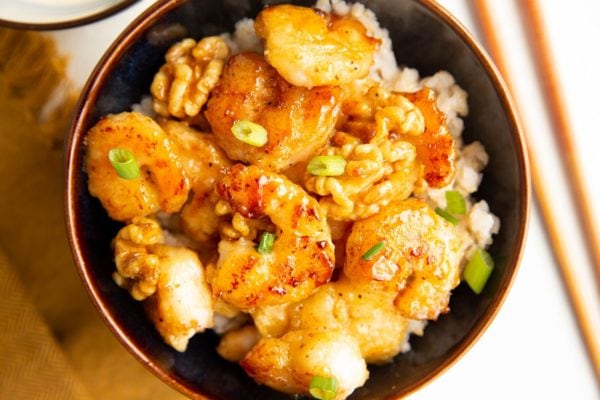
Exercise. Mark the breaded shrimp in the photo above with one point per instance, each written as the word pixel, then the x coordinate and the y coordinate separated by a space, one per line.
pixel 162 184
pixel 204 163
pixel 309 47
pixel 170 279
pixel 182 304
pixel 290 362
pixel 367 315
pixel 302 256
pixel 419 261
pixel 298 120
pixel 435 147
pixel 360 310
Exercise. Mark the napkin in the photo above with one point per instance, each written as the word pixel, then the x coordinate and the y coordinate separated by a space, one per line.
pixel 55 345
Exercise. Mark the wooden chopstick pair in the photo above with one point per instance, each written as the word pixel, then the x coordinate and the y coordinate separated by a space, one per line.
pixel 538 41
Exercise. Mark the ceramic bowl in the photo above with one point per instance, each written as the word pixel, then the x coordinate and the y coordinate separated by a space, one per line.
pixel 425 37
pixel 56 14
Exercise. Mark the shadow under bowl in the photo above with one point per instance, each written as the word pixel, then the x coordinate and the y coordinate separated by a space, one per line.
pixel 425 37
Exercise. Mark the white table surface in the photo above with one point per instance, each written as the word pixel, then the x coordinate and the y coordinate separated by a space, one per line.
pixel 532 349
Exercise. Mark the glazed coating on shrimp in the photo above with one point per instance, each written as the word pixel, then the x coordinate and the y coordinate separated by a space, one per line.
pixel 302 257
pixel 298 120
pixel 369 316
pixel 288 363
pixel 420 262
pixel 204 163
pixel 162 185
pixel 435 147
pixel 310 47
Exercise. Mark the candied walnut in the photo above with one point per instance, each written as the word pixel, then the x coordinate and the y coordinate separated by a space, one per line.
pixel 181 86
pixel 137 267
pixel 381 115
pixel 376 174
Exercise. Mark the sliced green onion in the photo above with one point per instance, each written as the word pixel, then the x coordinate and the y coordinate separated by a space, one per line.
pixel 478 270
pixel 250 133
pixel 265 243
pixel 446 215
pixel 326 166
pixel 124 163
pixel 372 252
pixel 455 203
pixel 323 388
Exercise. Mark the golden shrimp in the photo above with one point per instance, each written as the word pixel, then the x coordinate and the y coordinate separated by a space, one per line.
pixel 288 363
pixel 309 47
pixel 435 147
pixel 302 256
pixel 204 163
pixel 162 185
pixel 362 312
pixel 182 304
pixel 298 120
pixel 419 261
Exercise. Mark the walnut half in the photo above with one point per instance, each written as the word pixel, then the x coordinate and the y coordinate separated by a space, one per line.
pixel 181 86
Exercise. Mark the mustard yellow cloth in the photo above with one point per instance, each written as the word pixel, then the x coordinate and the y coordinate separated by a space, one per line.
pixel 54 344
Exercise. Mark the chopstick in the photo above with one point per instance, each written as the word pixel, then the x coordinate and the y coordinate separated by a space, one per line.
pixel 486 26
pixel 534 23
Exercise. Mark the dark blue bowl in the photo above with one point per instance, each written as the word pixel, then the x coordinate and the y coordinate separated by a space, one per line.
pixel 425 37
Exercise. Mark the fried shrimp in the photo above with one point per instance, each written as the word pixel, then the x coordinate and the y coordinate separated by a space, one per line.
pixel 435 147
pixel 298 120
pixel 302 256
pixel 204 163
pixel 182 304
pixel 419 260
pixel 170 279
pixel 369 316
pixel 309 47
pixel 288 363
pixel 162 185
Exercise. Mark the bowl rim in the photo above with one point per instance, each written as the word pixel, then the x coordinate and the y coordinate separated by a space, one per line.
pixel 69 23
pixel 105 66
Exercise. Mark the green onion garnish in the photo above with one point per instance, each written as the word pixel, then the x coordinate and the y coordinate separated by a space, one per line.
pixel 455 203
pixel 323 388
pixel 124 163
pixel 446 215
pixel 250 133
pixel 478 270
pixel 265 243
pixel 326 166
pixel 372 252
